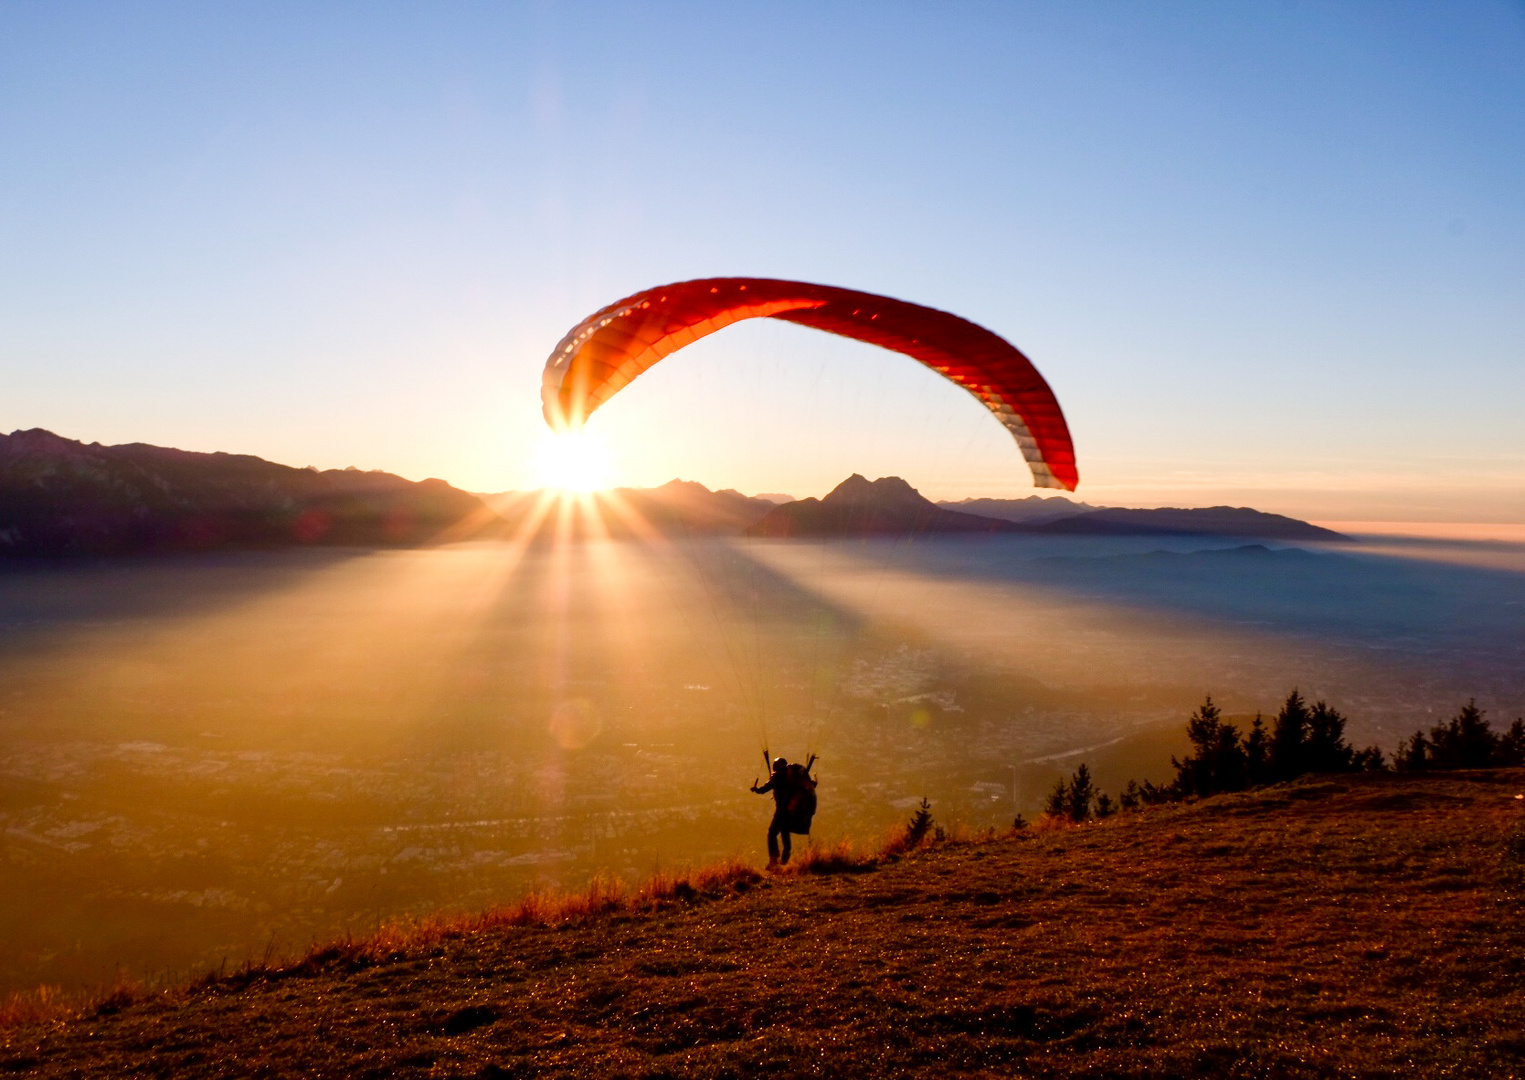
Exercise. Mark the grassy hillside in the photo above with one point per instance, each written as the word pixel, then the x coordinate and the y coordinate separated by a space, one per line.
pixel 1361 926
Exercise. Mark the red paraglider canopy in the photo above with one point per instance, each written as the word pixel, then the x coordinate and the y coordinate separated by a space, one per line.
pixel 607 350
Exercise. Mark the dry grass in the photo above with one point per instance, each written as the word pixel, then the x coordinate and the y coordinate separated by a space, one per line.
pixel 842 858
pixel 43 1004
pixel 603 897
pixel 1365 926
pixel 50 1004
pixel 393 940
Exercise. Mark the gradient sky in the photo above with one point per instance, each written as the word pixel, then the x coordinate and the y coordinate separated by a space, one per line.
pixel 1266 254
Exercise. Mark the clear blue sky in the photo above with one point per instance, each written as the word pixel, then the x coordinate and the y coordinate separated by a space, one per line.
pixel 1269 253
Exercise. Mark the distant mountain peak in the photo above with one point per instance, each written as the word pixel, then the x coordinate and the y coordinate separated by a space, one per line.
pixel 861 507
pixel 679 484
pixel 858 490
pixel 39 441
pixel 855 482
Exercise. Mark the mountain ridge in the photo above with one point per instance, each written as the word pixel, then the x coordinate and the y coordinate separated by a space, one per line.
pixel 1031 510
pixel 891 507
pixel 60 496
pixel 678 507
pixel 1240 522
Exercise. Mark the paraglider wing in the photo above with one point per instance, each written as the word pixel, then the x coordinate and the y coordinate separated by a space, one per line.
pixel 606 351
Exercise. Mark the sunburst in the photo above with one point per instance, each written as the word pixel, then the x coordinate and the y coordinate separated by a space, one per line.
pixel 578 462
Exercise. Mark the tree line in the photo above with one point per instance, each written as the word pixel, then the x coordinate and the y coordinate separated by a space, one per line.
pixel 1300 740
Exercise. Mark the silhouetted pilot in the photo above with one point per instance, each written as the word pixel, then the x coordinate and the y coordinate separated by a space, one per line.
pixel 782 789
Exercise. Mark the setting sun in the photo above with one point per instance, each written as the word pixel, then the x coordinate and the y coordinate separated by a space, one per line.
pixel 573 461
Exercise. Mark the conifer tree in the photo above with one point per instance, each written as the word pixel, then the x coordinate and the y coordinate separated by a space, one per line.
pixel 1325 749
pixel 1413 753
pixel 1058 804
pixel 1219 762
pixel 920 823
pixel 1257 754
pixel 1512 745
pixel 1082 791
pixel 1131 797
pixel 1464 743
pixel 1288 737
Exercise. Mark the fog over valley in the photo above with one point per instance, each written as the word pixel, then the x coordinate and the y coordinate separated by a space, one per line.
pixel 212 757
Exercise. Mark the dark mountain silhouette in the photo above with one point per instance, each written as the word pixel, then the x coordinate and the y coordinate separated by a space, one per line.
pixel 858 507
pixel 890 506
pixel 690 506
pixel 1029 511
pixel 1228 521
pixel 63 497
pixel 59 496
pixel 678 507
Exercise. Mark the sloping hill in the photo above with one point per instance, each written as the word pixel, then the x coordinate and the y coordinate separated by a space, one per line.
pixel 1368 925
pixel 63 497
pixel 1228 521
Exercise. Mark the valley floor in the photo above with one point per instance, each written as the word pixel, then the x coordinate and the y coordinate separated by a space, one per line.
pixel 1361 926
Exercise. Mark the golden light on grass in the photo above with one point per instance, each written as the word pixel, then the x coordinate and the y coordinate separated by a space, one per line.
pixel 578 462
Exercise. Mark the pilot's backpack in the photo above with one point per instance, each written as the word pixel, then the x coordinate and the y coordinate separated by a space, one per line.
pixel 801 802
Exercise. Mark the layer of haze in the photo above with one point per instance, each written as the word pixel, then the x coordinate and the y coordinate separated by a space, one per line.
pixel 205 758
pixel 1268 254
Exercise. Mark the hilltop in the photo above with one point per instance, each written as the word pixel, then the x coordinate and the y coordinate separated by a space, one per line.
pixel 1354 926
